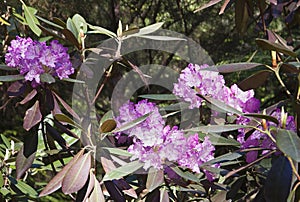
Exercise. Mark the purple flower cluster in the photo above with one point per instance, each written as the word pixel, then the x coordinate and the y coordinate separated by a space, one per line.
pixel 262 140
pixel 34 58
pixel 195 80
pixel 154 143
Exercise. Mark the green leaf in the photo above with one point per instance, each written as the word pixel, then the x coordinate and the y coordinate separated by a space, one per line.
pixel 77 175
pixel 161 38
pixel 255 80
pixel 47 78
pixel 65 119
pixel 123 170
pixel 23 187
pixel 263 116
pixel 32 116
pixel 278 182
pixel 187 174
pixel 5 141
pixel 289 143
pixel 224 158
pixel 79 23
pixel 155 178
pixel 32 21
pixel 11 78
pixel 1 179
pixel 267 45
pixel 216 128
pixel 149 29
pixel 221 105
pixel 73 80
pixel 101 30
pixel 2 21
pixel 159 97
pixel 7 68
pixel 131 123
pixel 118 151
pixel 233 67
pixel 56 182
pixel 49 22
pixel 218 140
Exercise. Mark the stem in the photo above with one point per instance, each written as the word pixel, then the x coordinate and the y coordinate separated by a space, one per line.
pixel 294 168
pixel 46 145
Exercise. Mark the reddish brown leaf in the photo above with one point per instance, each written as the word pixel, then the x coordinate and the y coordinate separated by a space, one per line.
pixel 209 4
pixel 155 179
pixel 16 89
pixel 32 116
pixel 66 106
pixel 224 7
pixel 23 163
pixel 108 126
pixel 71 38
pixel 107 164
pixel 90 186
pixel 77 175
pixel 29 97
pixel 254 81
pixel 56 108
pixel 97 194
pixel 56 182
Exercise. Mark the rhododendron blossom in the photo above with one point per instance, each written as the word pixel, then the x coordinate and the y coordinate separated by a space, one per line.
pixel 34 58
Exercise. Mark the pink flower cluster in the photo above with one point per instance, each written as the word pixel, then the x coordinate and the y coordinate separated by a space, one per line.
pixel 155 144
pixel 34 58
pixel 261 140
pixel 194 79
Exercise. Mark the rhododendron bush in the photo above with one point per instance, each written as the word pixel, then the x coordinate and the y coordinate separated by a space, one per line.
pixel 99 125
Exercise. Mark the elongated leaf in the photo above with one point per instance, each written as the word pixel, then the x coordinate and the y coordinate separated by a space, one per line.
pixel 32 116
pixel 267 45
pixel 224 158
pixel 155 178
pixel 77 175
pixel 97 194
pixel 66 106
pixel 91 185
pixel 263 116
pixel 159 96
pixel 71 38
pixel 11 78
pixel 49 22
pixel 123 171
pixel 65 119
pixel 56 136
pixel 73 80
pixel 31 19
pixel 255 80
pixel 149 29
pixel 233 67
pixel 29 97
pixel 289 143
pixel 278 182
pixel 224 6
pixel 23 187
pixel 161 38
pixel 241 16
pixel 186 175
pixel 2 21
pixel 221 105
pixel 131 123
pixel 101 30
pixel 216 128
pixel 209 4
pixel 163 196
pixel 1 179
pixel 218 140
pixel 7 68
pixel 56 182
pixel 117 151
pixel 23 163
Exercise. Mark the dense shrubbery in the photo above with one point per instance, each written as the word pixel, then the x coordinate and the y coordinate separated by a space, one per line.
pixel 100 125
